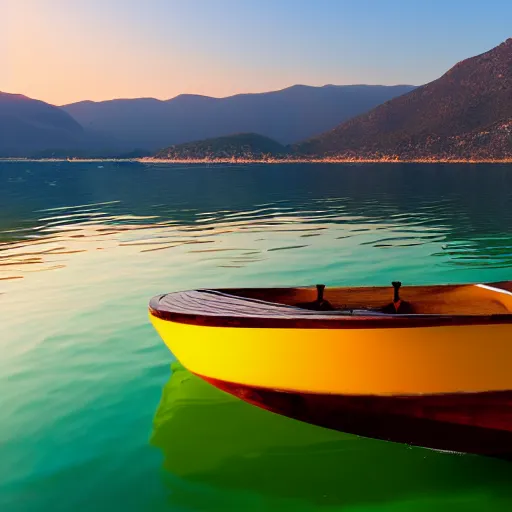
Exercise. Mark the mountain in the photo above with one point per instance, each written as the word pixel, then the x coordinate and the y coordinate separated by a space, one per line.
pixel 33 128
pixel 466 113
pixel 28 125
pixel 239 146
pixel 288 115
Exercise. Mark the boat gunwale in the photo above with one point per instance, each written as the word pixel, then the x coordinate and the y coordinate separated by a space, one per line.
pixel 350 322
pixel 329 321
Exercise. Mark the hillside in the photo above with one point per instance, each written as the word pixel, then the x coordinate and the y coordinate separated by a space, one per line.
pixel 239 146
pixel 288 115
pixel 465 113
pixel 33 128
pixel 28 125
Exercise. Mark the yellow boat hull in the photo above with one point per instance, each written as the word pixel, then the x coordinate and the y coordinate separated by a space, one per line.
pixel 445 386
pixel 354 361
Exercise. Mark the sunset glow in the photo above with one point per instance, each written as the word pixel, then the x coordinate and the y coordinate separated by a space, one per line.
pixel 61 51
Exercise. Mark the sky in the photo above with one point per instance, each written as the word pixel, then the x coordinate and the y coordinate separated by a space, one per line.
pixel 62 51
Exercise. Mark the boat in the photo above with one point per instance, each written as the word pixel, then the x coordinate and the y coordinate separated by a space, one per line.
pixel 429 366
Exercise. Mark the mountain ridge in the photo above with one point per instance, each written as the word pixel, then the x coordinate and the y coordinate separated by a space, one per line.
pixel 28 125
pixel 288 115
pixel 475 94
pixel 197 95
pixel 33 128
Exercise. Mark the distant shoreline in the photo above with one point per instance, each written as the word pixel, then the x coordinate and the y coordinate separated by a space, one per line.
pixel 70 160
pixel 149 160
pixel 322 161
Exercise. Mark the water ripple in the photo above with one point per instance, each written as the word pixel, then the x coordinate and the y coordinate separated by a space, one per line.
pixel 351 220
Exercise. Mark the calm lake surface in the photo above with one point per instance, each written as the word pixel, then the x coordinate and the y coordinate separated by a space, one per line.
pixel 96 414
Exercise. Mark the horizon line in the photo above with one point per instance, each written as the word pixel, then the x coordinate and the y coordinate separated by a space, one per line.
pixel 60 105
pixel 230 95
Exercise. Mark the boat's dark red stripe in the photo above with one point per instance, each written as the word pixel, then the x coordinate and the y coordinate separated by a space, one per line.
pixel 354 322
pixel 479 423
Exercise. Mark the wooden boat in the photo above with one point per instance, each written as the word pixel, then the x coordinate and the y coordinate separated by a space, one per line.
pixel 431 368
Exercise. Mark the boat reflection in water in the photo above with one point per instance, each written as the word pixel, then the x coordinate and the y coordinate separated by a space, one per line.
pixel 210 437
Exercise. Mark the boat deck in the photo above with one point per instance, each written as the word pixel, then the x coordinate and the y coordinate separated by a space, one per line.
pixel 348 307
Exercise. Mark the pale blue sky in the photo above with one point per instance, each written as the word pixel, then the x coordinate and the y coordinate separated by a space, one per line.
pixel 67 50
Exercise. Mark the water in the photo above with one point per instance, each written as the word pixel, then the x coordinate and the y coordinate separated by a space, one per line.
pixel 93 417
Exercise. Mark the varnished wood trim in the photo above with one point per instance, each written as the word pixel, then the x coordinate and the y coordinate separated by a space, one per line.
pixel 275 308
pixel 355 322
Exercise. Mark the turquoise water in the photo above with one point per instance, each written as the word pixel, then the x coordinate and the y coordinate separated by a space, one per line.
pixel 92 417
